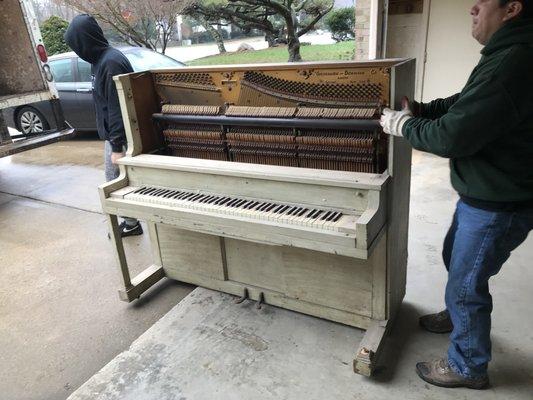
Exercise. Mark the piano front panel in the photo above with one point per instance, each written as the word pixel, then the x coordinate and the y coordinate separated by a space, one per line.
pixel 354 201
pixel 333 286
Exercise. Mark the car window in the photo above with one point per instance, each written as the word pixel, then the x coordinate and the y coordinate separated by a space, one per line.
pixel 84 71
pixel 142 60
pixel 62 70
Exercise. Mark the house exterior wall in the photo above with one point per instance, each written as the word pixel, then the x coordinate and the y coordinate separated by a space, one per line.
pixel 438 36
pixel 452 53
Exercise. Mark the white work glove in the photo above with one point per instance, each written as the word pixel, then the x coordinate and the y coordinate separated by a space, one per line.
pixel 393 121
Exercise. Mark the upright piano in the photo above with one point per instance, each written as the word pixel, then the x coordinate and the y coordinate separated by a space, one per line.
pixel 274 183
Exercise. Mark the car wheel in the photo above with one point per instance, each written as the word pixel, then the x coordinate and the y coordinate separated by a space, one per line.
pixel 30 120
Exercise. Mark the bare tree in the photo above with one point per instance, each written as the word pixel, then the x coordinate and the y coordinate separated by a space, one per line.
pixel 44 9
pixel 244 17
pixel 148 23
pixel 298 16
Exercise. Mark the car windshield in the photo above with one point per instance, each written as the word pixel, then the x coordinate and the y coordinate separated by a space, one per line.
pixel 143 59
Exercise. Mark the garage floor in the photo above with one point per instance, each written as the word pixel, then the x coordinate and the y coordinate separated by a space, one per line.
pixel 61 321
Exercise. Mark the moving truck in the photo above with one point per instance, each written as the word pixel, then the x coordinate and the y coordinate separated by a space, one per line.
pixel 25 76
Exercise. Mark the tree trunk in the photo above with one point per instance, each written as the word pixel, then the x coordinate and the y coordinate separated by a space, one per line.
pixel 216 36
pixel 293 43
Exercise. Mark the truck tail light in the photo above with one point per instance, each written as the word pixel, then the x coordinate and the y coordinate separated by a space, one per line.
pixel 42 53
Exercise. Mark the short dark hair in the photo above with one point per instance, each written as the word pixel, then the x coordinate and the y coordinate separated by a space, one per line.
pixel 527 10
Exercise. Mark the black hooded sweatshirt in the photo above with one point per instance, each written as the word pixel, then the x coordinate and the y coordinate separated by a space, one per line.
pixel 86 38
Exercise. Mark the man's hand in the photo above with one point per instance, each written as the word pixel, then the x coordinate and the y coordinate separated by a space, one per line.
pixel 116 156
pixel 393 121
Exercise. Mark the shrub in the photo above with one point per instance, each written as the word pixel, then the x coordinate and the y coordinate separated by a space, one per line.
pixel 53 30
pixel 341 24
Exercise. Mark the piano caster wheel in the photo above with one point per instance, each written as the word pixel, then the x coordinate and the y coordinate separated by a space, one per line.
pixel 260 301
pixel 242 298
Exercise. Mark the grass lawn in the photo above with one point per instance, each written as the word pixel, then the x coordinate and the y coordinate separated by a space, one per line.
pixel 317 52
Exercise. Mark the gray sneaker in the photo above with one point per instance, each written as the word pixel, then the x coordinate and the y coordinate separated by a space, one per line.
pixel 437 323
pixel 439 373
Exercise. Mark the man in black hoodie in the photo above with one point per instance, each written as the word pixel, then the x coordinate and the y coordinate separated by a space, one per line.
pixel 86 38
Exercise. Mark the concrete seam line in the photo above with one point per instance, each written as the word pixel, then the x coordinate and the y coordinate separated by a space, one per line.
pixel 50 203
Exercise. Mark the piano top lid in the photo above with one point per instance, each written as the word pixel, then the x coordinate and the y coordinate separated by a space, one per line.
pixel 383 63
pixel 355 180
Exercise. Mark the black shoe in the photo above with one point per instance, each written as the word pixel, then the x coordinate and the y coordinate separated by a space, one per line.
pixel 439 373
pixel 126 230
pixel 437 323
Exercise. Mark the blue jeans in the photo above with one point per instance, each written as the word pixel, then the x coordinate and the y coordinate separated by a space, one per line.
pixel 476 246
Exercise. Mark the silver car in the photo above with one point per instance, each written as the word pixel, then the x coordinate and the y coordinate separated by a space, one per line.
pixel 72 76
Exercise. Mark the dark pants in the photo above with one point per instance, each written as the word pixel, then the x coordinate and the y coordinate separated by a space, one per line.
pixel 476 246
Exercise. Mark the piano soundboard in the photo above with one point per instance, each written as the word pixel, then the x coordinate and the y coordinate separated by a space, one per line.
pixel 274 183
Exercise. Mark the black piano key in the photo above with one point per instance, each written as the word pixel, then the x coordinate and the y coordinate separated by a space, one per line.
pixel 146 190
pixel 326 215
pixel 304 210
pixel 246 204
pixel 277 208
pixel 206 199
pixel 222 200
pixel 178 195
pixel 169 194
pixel 232 202
pixel 195 197
pixel 198 199
pixel 209 199
pixel 161 194
pixel 333 215
pixel 257 206
pixel 317 216
pixel 264 207
pixel 251 205
pixel 311 212
pixel 289 210
pixel 157 191
pixel 241 203
pixel 186 196
pixel 212 200
pixel 293 210
pixel 285 208
pixel 270 208
pixel 337 217
pixel 261 207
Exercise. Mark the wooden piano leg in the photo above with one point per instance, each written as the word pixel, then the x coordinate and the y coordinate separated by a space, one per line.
pixel 133 288
pixel 370 347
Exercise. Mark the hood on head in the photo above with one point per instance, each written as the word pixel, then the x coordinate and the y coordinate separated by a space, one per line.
pixel 85 37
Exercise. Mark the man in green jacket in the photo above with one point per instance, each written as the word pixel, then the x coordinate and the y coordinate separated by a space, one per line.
pixel 487 133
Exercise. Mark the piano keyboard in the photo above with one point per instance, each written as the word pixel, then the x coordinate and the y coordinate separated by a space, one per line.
pixel 242 207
